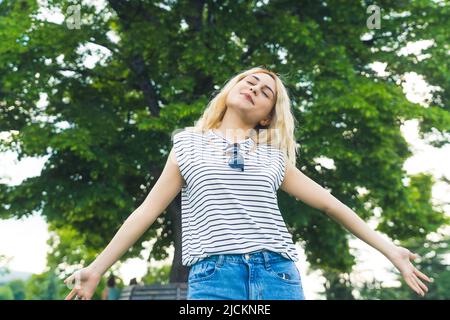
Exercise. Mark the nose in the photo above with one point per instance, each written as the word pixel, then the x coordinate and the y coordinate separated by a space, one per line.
pixel 252 89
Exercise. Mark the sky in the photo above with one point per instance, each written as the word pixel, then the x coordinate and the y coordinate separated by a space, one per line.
pixel 24 241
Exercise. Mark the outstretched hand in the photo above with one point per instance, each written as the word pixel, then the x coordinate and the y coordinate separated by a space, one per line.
pixel 85 281
pixel 401 260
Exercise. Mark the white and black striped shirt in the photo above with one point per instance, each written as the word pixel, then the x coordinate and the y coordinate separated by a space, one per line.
pixel 225 210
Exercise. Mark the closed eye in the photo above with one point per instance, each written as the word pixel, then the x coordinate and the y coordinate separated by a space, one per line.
pixel 262 92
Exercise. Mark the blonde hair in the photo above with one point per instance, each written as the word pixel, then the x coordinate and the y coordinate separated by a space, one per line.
pixel 279 132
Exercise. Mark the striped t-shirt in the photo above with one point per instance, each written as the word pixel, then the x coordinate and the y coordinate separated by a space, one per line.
pixel 225 210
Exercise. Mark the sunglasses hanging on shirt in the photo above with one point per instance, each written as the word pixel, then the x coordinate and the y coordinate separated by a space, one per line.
pixel 236 160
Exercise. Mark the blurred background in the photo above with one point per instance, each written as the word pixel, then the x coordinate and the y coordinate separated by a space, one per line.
pixel 90 92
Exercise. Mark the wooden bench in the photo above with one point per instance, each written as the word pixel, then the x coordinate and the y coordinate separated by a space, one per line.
pixel 171 291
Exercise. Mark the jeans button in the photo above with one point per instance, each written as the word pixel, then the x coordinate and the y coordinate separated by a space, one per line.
pixel 247 256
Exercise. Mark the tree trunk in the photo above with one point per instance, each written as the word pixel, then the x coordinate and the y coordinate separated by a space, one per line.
pixel 179 273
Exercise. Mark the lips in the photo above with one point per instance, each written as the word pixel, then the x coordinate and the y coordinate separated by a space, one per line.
pixel 249 98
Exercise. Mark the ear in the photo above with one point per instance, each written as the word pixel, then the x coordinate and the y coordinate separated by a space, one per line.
pixel 265 122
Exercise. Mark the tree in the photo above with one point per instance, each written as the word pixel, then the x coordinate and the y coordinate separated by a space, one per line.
pixel 6 293
pixel 159 275
pixel 18 289
pixel 105 127
pixel 45 286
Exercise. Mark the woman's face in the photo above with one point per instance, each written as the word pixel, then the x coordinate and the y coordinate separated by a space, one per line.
pixel 253 97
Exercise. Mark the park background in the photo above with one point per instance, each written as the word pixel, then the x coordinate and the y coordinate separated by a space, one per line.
pixel 90 92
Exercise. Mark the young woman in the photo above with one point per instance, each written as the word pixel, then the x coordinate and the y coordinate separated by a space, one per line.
pixel 229 167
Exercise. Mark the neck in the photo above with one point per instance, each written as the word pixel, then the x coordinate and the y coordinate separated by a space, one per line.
pixel 233 129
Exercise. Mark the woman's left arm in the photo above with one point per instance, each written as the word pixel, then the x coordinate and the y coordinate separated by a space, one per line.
pixel 307 190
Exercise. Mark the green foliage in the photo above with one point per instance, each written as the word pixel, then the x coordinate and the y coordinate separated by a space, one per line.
pixel 6 293
pixel 157 275
pixel 416 215
pixel 106 129
pixel 18 289
pixel 45 286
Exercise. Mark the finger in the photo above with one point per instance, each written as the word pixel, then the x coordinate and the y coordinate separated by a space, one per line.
pixel 413 255
pixel 421 284
pixel 69 279
pixel 422 275
pixel 75 280
pixel 71 282
pixel 414 285
pixel 71 294
pixel 80 294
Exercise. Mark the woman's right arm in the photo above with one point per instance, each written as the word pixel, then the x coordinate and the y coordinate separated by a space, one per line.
pixel 161 195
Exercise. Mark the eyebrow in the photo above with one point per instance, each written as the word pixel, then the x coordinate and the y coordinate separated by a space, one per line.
pixel 264 85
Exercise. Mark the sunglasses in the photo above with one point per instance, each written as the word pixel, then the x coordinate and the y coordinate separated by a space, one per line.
pixel 236 160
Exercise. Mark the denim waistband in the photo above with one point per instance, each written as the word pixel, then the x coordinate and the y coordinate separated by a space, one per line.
pixel 260 256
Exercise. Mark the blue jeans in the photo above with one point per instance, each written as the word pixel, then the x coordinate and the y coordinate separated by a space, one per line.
pixel 259 275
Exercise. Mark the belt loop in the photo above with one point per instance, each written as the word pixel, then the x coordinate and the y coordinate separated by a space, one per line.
pixel 220 260
pixel 266 259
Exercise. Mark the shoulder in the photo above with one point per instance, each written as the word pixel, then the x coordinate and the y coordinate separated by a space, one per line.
pixel 186 141
pixel 187 132
pixel 180 133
